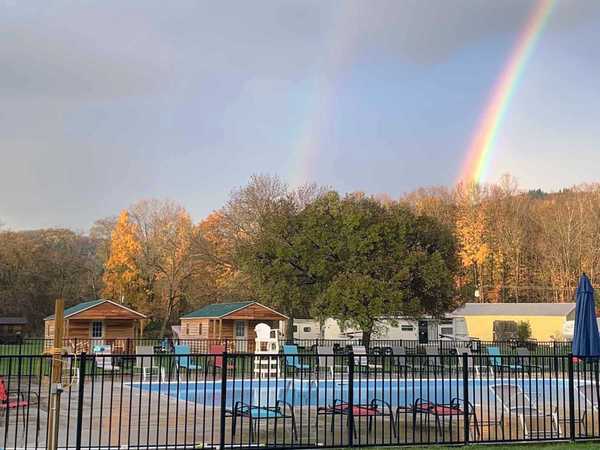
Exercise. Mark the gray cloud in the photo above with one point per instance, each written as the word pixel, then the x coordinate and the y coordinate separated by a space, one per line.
pixel 104 102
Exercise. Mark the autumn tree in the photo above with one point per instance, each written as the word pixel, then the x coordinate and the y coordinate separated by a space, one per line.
pixel 151 262
pixel 122 275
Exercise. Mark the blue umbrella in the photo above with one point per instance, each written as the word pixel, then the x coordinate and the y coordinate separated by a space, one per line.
pixel 586 339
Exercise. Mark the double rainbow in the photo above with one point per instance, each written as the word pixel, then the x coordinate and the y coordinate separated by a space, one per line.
pixel 478 157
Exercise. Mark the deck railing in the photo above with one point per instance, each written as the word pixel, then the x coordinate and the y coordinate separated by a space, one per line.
pixel 231 400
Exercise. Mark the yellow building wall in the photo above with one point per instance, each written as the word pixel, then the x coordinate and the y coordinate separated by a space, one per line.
pixel 543 328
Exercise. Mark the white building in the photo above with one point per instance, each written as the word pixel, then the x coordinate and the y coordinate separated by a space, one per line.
pixel 405 329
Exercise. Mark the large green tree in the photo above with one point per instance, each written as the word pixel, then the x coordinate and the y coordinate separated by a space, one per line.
pixel 355 260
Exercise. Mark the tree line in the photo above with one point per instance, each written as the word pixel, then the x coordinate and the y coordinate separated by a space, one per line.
pixel 310 251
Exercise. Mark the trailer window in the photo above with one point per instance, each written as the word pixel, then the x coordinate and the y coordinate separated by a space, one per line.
pixel 306 329
pixel 407 328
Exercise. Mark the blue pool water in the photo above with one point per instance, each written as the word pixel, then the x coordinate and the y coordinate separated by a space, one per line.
pixel 397 392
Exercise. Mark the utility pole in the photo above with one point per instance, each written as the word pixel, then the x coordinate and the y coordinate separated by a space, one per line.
pixel 56 387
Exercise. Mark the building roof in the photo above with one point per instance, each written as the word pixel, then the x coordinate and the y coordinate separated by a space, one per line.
pixel 514 309
pixel 13 321
pixel 219 310
pixel 80 307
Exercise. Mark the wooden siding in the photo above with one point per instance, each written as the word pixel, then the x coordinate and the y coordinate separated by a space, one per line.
pixel 255 312
pixel 105 311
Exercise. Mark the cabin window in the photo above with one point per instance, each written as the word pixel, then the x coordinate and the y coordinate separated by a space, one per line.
pixel 306 329
pixel 186 329
pixel 240 329
pixel 447 330
pixel 97 329
pixel 200 329
pixel 295 328
pixel 407 328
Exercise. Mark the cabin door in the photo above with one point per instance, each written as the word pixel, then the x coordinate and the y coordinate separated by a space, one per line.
pixel 240 333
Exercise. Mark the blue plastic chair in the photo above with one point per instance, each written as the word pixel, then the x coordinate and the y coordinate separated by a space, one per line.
pixel 496 360
pixel 184 362
pixel 292 358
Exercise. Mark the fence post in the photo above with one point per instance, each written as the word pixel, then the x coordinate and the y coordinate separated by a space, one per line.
pixel 223 399
pixel 351 398
pixel 81 380
pixel 571 398
pixel 465 374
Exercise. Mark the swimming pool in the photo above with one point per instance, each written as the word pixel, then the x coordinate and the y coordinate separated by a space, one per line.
pixel 397 392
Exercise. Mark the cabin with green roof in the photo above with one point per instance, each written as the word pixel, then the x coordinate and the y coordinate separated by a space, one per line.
pixel 229 323
pixel 98 322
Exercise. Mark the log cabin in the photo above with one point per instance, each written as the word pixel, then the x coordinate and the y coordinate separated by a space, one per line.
pixel 98 322
pixel 227 323
pixel 12 329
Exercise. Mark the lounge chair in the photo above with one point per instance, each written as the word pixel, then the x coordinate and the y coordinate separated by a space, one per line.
pixel 375 408
pixel 293 359
pixel 17 401
pixel 433 360
pixel 361 360
pixel 217 351
pixel 328 360
pixel 144 361
pixel 496 361
pixel 184 362
pixel 254 413
pixel 104 359
pixel 441 412
pixel 518 404
pixel 588 393
pixel 399 359
pixel 524 359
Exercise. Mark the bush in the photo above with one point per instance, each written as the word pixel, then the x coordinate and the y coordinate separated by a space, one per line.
pixel 523 331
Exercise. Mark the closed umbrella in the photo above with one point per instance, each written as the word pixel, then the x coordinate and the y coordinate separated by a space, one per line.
pixel 586 340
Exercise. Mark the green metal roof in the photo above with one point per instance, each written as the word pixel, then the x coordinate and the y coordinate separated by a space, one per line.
pixel 79 307
pixel 217 310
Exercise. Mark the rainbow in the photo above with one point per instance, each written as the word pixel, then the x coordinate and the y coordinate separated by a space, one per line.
pixel 482 143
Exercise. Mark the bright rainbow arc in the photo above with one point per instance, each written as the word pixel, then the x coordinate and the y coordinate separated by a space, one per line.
pixel 482 143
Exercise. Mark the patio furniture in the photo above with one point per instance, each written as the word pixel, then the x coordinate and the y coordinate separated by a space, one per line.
pixel 441 412
pixel 399 359
pixel 524 358
pixel 217 351
pixel 361 360
pixel 517 403
pixel 293 359
pixel 433 360
pixel 144 361
pixel 328 360
pixel 587 392
pixel 496 361
pixel 184 361
pixel 17 401
pixel 103 358
pixel 280 411
pixel 375 408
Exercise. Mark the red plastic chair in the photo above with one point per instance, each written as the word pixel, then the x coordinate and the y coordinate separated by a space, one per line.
pixel 15 401
pixel 219 349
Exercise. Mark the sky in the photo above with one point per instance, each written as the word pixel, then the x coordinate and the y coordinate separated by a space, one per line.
pixel 103 103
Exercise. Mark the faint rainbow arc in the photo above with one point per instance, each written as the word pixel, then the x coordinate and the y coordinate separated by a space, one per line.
pixel 482 143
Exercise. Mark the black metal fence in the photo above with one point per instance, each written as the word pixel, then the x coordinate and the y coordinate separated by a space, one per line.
pixel 36 346
pixel 298 400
